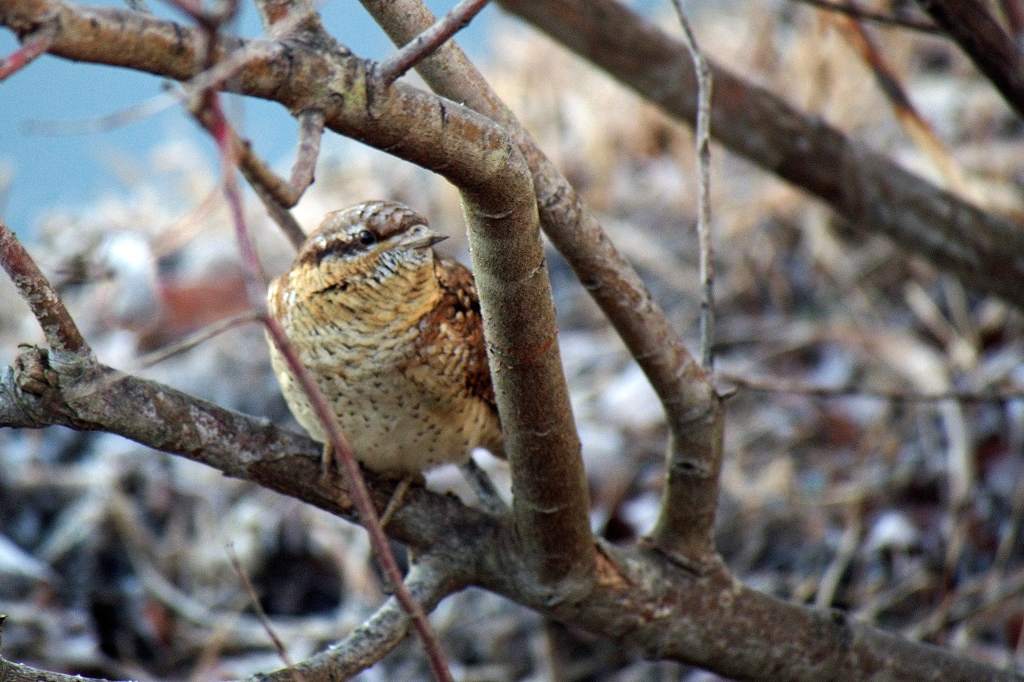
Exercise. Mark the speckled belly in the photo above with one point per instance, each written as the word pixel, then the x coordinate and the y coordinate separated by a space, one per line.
pixel 395 424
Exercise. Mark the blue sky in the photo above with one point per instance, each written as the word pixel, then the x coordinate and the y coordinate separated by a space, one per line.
pixel 73 170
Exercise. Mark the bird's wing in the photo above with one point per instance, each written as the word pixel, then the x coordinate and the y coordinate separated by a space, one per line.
pixel 455 324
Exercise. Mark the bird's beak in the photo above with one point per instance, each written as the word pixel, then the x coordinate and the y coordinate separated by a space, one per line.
pixel 423 238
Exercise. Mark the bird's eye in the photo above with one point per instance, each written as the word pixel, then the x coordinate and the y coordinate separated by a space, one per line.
pixel 366 238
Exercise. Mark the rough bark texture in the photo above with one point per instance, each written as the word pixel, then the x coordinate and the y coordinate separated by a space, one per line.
pixel 640 598
pixel 647 597
pixel 315 73
pixel 692 409
pixel 59 330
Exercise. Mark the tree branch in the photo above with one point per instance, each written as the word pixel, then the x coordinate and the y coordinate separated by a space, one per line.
pixel 59 329
pixel 693 412
pixel 428 581
pixel 420 47
pixel 856 12
pixel 870 191
pixel 471 152
pixel 978 33
pixel 640 599
pixel 32 47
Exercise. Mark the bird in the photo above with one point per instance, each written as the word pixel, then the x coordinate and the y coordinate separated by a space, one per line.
pixel 393 335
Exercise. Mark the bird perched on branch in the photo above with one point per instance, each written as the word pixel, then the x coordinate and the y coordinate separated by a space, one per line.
pixel 392 333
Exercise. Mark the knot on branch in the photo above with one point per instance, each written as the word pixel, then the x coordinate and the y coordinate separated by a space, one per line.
pixel 30 390
pixel 36 387
pixel 33 375
pixel 27 19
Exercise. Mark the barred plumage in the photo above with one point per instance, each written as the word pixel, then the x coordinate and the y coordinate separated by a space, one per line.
pixel 394 337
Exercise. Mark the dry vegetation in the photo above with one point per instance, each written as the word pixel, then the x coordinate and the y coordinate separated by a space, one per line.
pixel 114 559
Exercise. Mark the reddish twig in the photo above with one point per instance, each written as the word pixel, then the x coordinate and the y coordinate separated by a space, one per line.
pixel 424 44
pixel 430 579
pixel 919 130
pixel 59 329
pixel 255 283
pixel 211 20
pixel 31 47
pixel 702 138
pixel 856 12
pixel 276 194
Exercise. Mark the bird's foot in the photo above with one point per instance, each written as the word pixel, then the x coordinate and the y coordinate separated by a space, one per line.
pixel 396 498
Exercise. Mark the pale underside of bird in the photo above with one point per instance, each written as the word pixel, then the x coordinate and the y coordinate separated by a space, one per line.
pixel 393 335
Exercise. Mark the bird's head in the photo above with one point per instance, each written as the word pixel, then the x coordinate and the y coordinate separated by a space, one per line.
pixel 368 241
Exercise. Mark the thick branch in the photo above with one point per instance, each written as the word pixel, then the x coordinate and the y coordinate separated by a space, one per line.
pixel 741 633
pixel 971 25
pixel 691 406
pixel 648 603
pixel 43 390
pixel 470 151
pixel 873 193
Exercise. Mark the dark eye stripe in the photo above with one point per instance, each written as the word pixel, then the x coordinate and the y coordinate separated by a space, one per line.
pixel 339 248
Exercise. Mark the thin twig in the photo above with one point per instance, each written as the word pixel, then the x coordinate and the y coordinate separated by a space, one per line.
pixel 255 283
pixel 254 598
pixel 694 412
pixel 423 45
pixel 33 46
pixel 200 336
pixel 209 78
pixel 210 19
pixel 59 328
pixel 919 130
pixel 780 385
pixel 702 135
pixel 852 10
pixel 847 550
pixel 276 194
pixel 429 580
pixel 311 130
pixel 967 602
pixel 287 193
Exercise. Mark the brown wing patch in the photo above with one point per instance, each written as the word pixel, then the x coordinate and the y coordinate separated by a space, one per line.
pixel 455 323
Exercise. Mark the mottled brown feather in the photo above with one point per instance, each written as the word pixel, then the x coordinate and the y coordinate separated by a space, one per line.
pixel 394 336
pixel 460 306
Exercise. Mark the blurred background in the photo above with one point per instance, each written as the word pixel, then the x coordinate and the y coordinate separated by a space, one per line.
pixel 114 559
pixel 71 164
